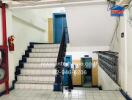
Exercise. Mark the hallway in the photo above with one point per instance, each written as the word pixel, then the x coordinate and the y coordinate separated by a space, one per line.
pixel 76 94
pixel 47 45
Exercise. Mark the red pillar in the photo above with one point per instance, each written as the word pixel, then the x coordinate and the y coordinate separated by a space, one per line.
pixel 4 24
pixel 3 8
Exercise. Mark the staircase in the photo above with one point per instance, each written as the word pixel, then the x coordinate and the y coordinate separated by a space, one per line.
pixel 37 70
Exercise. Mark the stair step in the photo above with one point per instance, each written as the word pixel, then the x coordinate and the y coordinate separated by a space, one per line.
pixel 43 55
pixel 34 82
pixel 46 45
pixel 37 78
pixel 56 50
pixel 41 60
pixel 41 68
pixel 38 71
pixel 46 86
pixel 38 65
pixel 38 75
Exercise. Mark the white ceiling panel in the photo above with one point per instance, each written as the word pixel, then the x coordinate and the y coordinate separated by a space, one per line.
pixel 36 3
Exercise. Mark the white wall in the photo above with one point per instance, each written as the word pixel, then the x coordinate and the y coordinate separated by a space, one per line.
pixel 38 17
pixel 129 56
pixel 25 33
pixel 90 25
pixel 105 81
pixel 125 52
pixel 48 13
pixel 78 52
pixel 11 54
pixel 119 45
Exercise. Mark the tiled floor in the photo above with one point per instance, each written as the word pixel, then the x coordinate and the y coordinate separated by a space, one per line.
pixel 76 94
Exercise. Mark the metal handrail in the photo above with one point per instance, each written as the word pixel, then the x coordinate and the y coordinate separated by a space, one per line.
pixel 60 60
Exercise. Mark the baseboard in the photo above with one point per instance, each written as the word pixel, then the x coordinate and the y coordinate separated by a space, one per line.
pixel 4 92
pixel 77 86
pixel 95 86
pixel 125 95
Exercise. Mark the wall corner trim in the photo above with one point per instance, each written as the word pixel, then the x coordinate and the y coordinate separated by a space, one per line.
pixel 10 89
pixel 125 95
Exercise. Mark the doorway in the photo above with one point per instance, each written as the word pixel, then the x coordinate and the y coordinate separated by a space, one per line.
pixel 87 76
pixel 68 60
pixel 59 24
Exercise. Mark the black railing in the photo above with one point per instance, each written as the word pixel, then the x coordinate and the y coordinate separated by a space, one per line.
pixel 58 85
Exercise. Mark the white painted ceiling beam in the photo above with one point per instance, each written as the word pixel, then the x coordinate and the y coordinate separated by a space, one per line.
pixel 53 3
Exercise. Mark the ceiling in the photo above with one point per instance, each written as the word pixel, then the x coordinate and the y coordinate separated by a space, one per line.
pixel 36 3
pixel 53 3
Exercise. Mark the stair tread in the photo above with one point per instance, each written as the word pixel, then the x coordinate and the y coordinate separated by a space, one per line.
pixel 43 68
pixel 47 44
pixel 43 53
pixel 44 43
pixel 34 82
pixel 41 57
pixel 44 47
pixel 47 50
pixel 38 67
pixel 52 69
pixel 37 75
pixel 41 61
pixel 51 63
pixel 34 57
pixel 44 58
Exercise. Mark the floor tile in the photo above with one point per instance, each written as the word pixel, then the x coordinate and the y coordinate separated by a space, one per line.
pixel 76 94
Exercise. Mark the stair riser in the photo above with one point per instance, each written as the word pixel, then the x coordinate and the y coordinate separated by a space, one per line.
pixel 41 60
pixel 38 72
pixel 42 65
pixel 34 86
pixel 45 50
pixel 46 46
pixel 39 67
pixel 37 78
pixel 43 55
